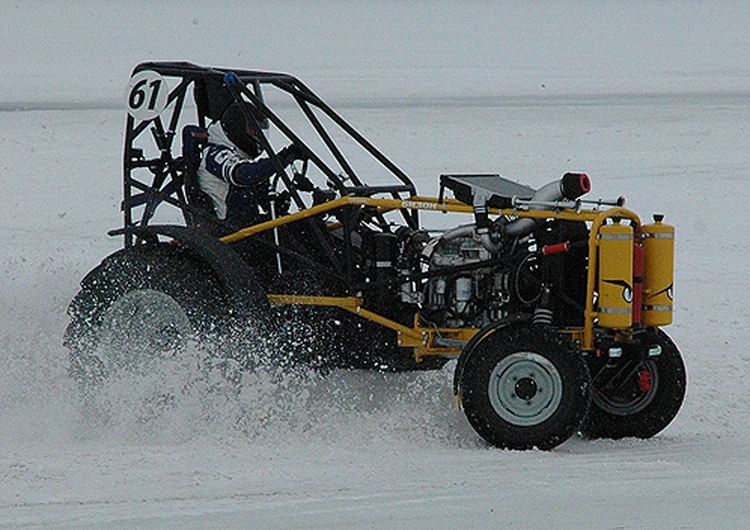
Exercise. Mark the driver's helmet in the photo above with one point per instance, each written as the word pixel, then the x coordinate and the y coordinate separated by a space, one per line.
pixel 240 131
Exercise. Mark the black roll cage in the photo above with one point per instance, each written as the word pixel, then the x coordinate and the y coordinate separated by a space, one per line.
pixel 213 90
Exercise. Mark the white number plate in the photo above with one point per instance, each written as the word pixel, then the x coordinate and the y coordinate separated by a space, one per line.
pixel 146 95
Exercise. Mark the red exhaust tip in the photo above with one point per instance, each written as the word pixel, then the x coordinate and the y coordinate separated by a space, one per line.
pixel 585 183
pixel 575 184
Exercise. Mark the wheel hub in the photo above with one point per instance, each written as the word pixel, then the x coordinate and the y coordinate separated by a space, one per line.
pixel 630 393
pixel 525 389
pixel 141 325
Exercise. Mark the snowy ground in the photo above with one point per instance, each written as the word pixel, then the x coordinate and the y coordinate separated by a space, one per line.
pixel 652 100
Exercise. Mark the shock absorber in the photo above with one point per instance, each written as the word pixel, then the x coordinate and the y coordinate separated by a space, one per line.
pixel 543 314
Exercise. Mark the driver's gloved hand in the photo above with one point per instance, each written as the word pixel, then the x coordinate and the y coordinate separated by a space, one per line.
pixel 303 183
pixel 291 153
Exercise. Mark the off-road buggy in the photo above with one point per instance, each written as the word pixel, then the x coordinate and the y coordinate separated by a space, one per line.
pixel 551 304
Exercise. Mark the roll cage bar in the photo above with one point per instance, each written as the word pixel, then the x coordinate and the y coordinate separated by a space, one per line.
pixel 213 90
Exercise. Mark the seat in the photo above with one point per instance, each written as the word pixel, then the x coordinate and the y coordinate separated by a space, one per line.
pixel 202 214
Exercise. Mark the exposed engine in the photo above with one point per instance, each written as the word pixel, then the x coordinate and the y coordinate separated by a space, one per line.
pixel 465 295
pixel 464 284
pixel 478 273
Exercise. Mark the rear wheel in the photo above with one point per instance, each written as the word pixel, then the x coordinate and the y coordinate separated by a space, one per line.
pixel 147 303
pixel 524 387
pixel 636 397
pixel 142 325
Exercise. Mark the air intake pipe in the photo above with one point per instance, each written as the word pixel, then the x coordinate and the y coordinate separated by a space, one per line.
pixel 570 186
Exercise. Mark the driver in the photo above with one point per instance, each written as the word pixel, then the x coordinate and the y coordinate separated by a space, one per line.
pixel 231 172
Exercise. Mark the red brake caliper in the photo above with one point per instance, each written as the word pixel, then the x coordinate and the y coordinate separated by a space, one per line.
pixel 644 379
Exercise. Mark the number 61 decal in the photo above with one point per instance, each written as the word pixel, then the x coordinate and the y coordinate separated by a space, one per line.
pixel 146 95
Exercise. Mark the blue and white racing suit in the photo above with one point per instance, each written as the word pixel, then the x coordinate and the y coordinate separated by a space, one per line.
pixel 236 184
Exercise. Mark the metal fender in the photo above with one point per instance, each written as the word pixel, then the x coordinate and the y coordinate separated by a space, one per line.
pixel 236 275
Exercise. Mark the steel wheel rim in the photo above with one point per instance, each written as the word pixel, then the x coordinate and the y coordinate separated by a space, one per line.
pixel 141 325
pixel 627 407
pixel 525 389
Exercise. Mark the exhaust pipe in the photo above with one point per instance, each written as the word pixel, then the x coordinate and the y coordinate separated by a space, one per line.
pixel 570 186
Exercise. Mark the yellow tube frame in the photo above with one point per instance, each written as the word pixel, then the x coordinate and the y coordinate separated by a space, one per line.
pixel 426 340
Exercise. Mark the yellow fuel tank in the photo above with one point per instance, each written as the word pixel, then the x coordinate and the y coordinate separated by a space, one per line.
pixel 658 271
pixel 615 283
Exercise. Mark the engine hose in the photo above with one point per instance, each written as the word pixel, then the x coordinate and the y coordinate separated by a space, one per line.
pixel 470 231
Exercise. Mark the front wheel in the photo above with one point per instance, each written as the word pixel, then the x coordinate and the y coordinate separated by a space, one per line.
pixel 637 397
pixel 524 387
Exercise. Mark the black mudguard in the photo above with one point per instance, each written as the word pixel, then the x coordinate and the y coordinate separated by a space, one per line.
pixel 237 276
